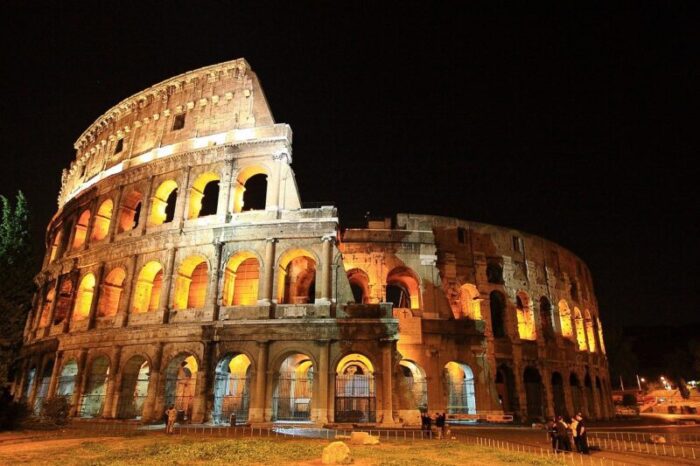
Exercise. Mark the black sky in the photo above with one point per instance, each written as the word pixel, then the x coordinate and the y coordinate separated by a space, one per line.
pixel 578 123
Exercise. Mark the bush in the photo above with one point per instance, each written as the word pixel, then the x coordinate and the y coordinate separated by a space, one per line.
pixel 12 414
pixel 56 410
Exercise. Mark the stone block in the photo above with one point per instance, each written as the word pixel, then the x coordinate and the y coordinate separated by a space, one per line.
pixel 336 453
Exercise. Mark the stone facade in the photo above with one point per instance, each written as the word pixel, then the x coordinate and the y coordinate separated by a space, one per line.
pixel 182 269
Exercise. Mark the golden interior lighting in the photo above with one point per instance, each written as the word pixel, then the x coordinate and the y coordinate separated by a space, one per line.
pixel 100 227
pixel 83 301
pixel 111 292
pixel 241 280
pixel 191 283
pixel 565 319
pixel 148 287
pixel 197 193
pixel 160 202
pixel 81 230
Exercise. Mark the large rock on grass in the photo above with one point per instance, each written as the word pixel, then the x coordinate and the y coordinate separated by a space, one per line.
pixel 336 453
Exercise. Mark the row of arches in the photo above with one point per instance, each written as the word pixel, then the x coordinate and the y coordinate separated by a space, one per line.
pixel 249 193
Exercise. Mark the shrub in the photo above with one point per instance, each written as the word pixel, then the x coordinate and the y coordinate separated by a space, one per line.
pixel 12 414
pixel 56 410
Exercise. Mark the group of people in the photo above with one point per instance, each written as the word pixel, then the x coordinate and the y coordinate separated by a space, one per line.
pixel 440 425
pixel 569 435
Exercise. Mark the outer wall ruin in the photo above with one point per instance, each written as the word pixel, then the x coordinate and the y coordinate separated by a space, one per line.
pixel 182 269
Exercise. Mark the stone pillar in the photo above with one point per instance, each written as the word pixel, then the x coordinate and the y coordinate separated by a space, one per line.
pixel 69 317
pixel 122 317
pixel 150 409
pixel 597 411
pixel 213 298
pixel 52 311
pixel 546 375
pixel 146 207
pixel 323 390
pixel 272 201
pixel 269 269
pixel 257 404
pixel 169 276
pixel 203 386
pixel 113 382
pixel 326 276
pixel 81 381
pixel 92 316
pixel 387 414
pixel 114 225
pixel 55 373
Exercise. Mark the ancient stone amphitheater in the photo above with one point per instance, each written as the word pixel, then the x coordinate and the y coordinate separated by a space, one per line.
pixel 182 268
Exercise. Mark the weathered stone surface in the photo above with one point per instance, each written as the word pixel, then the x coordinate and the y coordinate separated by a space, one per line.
pixel 336 453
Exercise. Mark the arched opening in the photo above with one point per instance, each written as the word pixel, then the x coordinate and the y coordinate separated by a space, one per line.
pixel 505 386
pixel 111 293
pixel 458 380
pixel 43 388
pixel 100 227
pixel 565 319
pixel 494 273
pixel 81 227
pixel 134 389
pixel 291 399
pixel 470 302
pixel 180 384
pixel 600 335
pixel 163 203
pixel 66 381
pixel 83 301
pixel 533 393
pixel 416 384
pixel 590 331
pixel 204 196
pixel 250 190
pixel 65 298
pixel 558 394
pixel 92 401
pixel 497 303
pixel 231 389
pixel 241 280
pixel 30 378
pixel 130 212
pixel 359 284
pixel 148 287
pixel 588 389
pixel 355 396
pixel 576 393
pixel 56 245
pixel 402 288
pixel 525 316
pixel 580 330
pixel 546 318
pixel 47 304
pixel 297 278
pixel 191 283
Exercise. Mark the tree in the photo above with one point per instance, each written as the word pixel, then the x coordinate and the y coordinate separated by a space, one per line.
pixel 17 268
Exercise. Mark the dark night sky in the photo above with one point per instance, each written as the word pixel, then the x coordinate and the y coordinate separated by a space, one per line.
pixel 572 123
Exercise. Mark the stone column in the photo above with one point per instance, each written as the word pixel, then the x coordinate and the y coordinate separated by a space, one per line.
pixel 114 223
pixel 92 315
pixel 81 381
pixel 387 413
pixel 546 375
pixel 122 317
pixel 213 298
pixel 269 269
pixel 202 387
pixel 257 404
pixel 597 411
pixel 150 409
pixel 519 383
pixel 169 276
pixel 146 207
pixel 52 311
pixel 326 277
pixel 110 402
pixel 69 317
pixel 272 201
pixel 55 373
pixel 323 389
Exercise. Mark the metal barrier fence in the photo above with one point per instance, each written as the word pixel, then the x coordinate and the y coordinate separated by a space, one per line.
pixel 670 437
pixel 646 448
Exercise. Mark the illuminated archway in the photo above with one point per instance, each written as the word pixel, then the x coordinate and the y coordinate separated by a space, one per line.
pixel 111 292
pixel 163 203
pixel 204 195
pixel 43 388
pixel 134 388
pixel 296 277
pixel 67 379
pixel 56 245
pixel 65 298
pixel 231 388
pixel 470 302
pixel 250 189
pixel 241 280
pixel 148 288
pixel 100 227
pixel 293 390
pixel 191 283
pixel 80 230
pixel 458 383
pixel 565 319
pixel 129 212
pixel 180 383
pixel 92 399
pixel 403 288
pixel 355 395
pixel 580 330
pixel 29 379
pixel 526 316
pixel 359 284
pixel 590 331
pixel 83 301
pixel 416 384
pixel 46 307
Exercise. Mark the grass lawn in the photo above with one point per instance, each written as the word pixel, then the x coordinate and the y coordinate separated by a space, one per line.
pixel 156 448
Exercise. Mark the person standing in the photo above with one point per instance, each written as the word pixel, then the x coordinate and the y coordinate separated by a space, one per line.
pixel 439 424
pixel 562 435
pixel 552 430
pixel 171 413
pixel 572 433
pixel 581 435
pixel 443 416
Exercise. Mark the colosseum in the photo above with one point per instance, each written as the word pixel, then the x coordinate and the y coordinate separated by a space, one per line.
pixel 182 268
